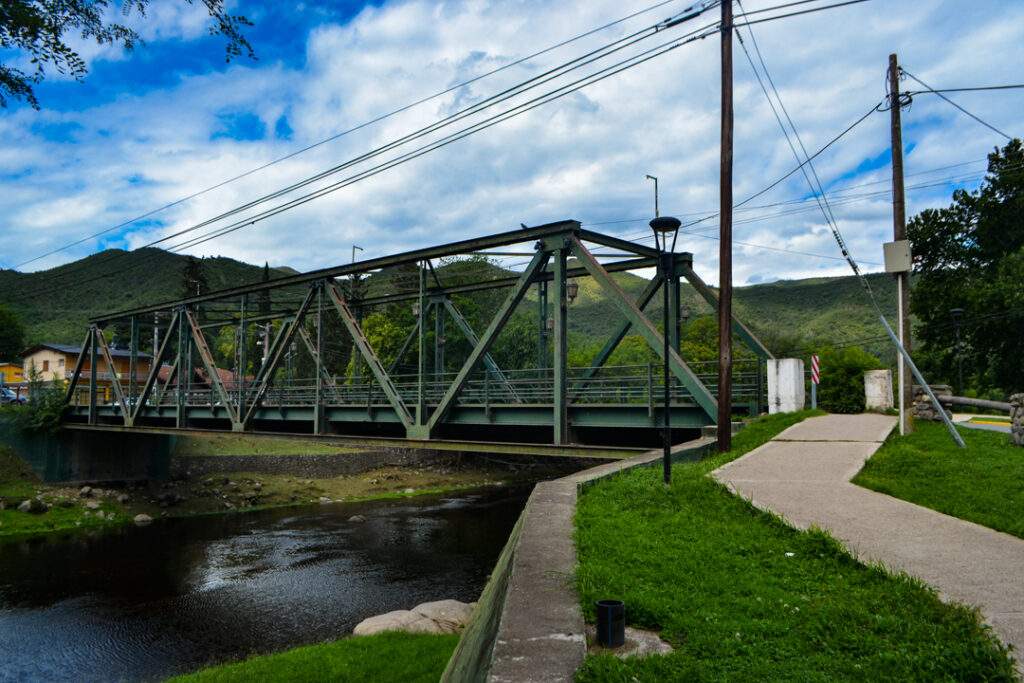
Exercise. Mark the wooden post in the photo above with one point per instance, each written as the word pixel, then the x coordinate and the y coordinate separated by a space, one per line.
pixel 725 243
pixel 899 232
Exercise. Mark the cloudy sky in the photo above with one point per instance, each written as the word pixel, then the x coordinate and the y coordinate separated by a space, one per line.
pixel 171 120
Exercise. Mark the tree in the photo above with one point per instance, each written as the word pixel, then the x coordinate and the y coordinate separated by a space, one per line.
pixel 971 256
pixel 36 29
pixel 842 378
pixel 193 279
pixel 12 335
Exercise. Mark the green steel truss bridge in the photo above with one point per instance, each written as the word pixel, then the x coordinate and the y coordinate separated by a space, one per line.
pixel 416 395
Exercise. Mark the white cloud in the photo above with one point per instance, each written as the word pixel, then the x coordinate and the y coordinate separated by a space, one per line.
pixel 584 156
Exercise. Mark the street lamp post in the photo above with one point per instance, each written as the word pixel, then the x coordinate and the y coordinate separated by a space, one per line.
pixel 666 225
pixel 958 316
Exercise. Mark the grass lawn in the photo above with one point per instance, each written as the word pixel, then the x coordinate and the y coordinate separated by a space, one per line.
pixel 982 484
pixel 387 657
pixel 744 597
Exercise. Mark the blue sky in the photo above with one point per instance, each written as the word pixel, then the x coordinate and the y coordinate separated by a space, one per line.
pixel 171 119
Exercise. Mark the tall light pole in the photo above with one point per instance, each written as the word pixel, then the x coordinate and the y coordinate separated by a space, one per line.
pixel 665 226
pixel 650 177
pixel 958 316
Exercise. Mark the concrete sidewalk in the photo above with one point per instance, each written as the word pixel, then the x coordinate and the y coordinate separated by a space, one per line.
pixel 804 476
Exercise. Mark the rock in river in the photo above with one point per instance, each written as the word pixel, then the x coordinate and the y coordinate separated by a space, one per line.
pixel 442 616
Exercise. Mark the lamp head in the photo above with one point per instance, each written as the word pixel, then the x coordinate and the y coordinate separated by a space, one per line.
pixel 665 224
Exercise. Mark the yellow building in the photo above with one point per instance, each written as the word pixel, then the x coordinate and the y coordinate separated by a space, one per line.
pixel 57 362
pixel 11 373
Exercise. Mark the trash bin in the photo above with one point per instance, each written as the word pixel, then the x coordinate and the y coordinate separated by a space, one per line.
pixel 611 623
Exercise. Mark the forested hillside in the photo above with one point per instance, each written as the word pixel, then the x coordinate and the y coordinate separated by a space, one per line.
pixel 55 305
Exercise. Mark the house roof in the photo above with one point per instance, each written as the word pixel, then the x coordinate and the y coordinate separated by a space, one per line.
pixel 75 350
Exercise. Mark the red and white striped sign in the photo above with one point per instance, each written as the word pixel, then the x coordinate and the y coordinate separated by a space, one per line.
pixel 815 373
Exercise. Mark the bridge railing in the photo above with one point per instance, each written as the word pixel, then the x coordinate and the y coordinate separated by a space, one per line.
pixel 624 384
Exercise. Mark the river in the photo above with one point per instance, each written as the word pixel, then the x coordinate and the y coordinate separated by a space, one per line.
pixel 144 603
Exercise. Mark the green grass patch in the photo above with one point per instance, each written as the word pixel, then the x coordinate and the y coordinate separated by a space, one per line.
pixel 743 596
pixel 247 444
pixel 406 657
pixel 983 483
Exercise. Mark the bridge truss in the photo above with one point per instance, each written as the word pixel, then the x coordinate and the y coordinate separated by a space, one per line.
pixel 441 397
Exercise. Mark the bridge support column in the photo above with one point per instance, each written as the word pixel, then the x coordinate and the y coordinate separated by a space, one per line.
pixel 560 419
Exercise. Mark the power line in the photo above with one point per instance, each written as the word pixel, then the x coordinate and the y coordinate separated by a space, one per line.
pixel 976 118
pixel 351 130
pixel 536 81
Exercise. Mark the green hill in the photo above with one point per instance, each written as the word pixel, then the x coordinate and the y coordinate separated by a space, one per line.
pixel 55 305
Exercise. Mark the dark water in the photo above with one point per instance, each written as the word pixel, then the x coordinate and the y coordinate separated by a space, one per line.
pixel 146 603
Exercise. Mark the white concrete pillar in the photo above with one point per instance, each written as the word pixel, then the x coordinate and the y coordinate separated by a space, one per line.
pixel 785 385
pixel 878 390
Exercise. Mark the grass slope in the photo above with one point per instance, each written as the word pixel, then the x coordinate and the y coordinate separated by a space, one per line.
pixel 744 597
pixel 387 657
pixel 982 484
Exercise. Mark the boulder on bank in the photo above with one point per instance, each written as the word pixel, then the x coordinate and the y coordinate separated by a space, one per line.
pixel 143 519
pixel 442 616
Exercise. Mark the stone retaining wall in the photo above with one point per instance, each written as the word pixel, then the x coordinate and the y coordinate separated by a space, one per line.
pixel 326 465
pixel 315 466
pixel 923 408
pixel 1017 419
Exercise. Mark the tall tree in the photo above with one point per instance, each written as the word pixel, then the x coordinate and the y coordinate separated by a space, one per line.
pixel 193 278
pixel 971 256
pixel 12 335
pixel 36 29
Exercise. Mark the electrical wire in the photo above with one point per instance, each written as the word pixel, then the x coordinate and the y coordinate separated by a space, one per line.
pixel 973 116
pixel 354 129
pixel 537 80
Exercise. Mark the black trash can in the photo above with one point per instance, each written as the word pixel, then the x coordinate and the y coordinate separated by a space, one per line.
pixel 611 623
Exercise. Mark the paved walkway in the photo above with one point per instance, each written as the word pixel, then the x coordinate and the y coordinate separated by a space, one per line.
pixel 803 475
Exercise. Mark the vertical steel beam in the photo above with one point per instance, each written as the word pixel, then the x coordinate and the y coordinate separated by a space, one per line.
pixel 438 341
pixel 421 367
pixel 646 329
pixel 560 395
pixel 93 362
pixel 497 324
pixel 318 409
pixel 183 381
pixel 542 329
pixel 243 345
pixel 133 363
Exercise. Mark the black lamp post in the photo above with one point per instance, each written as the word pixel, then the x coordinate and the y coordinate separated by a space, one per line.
pixel 958 316
pixel 666 225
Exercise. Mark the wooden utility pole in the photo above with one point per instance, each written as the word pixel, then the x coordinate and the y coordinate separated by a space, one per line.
pixel 899 232
pixel 725 243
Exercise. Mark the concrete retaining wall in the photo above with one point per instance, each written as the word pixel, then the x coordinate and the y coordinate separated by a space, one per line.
pixel 527 626
pixel 84 457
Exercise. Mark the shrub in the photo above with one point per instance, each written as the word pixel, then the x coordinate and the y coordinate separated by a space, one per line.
pixel 842 378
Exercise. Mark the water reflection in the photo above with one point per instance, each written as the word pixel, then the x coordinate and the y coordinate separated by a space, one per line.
pixel 144 603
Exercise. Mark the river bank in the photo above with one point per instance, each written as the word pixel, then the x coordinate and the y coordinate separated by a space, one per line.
pixel 52 508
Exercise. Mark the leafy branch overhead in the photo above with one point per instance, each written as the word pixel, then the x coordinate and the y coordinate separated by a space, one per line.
pixel 37 29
